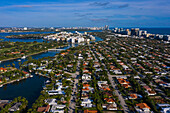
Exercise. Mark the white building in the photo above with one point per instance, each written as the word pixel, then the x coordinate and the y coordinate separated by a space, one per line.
pixel 86 103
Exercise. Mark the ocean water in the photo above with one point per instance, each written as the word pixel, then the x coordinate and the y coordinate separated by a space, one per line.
pixel 161 31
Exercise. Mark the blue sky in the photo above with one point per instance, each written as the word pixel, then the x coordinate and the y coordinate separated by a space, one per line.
pixel 84 13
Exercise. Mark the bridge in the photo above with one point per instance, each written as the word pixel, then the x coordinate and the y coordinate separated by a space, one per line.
pixel 56 49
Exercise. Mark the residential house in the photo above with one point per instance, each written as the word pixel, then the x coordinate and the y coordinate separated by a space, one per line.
pixel 15 107
pixel 109 100
pixel 164 108
pixel 110 107
pixel 90 111
pixel 3 69
pixel 86 77
pixel 134 96
pixel 142 108
pixel 43 109
pixel 86 103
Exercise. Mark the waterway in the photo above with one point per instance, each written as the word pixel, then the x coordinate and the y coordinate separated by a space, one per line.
pixel 2 36
pixel 29 88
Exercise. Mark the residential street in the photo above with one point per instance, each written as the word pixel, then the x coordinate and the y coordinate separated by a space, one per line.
pixel 122 102
pixel 74 90
pixel 73 96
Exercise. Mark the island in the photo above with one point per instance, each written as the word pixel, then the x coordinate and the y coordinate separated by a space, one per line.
pixel 29 36
pixel 14 50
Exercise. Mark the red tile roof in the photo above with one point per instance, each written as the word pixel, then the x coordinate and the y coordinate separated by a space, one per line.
pixel 43 109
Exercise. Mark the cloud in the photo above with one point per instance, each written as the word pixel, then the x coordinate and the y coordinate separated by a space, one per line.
pixel 83 15
pixel 99 3
pixel 124 6
pixel 23 6
pixel 87 11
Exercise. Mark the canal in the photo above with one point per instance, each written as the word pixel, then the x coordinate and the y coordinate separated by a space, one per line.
pixel 29 88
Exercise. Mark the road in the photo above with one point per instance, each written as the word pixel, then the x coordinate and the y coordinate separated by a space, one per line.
pixel 122 101
pixel 73 96
pixel 73 93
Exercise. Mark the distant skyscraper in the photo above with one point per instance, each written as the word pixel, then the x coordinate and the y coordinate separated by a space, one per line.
pixel 134 31
pixel 166 37
pixel 140 32
pixel 128 32
pixel 106 27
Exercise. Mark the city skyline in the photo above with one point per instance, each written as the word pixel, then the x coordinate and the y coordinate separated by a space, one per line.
pixel 83 13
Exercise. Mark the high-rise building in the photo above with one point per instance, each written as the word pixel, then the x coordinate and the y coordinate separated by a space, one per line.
pixel 134 31
pixel 106 27
pixel 128 32
pixel 166 37
pixel 140 33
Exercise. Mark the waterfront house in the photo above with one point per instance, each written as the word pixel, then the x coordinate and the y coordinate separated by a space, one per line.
pixel 56 92
pixel 1 80
pixel 55 108
pixel 3 69
pixel 43 109
pixel 3 103
pixel 51 101
pixel 6 78
pixel 15 107
pixel 26 73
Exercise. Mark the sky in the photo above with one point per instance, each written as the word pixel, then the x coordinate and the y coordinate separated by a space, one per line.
pixel 84 13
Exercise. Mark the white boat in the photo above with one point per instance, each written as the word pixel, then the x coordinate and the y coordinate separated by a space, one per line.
pixel 18 80
pixel 44 87
pixel 1 85
pixel 47 82
pixel 0 61
pixel 23 57
pixel 31 76
pixel 19 60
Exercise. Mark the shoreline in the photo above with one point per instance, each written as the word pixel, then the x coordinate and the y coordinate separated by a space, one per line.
pixel 17 80
pixel 43 75
pixel 21 57
pixel 31 54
